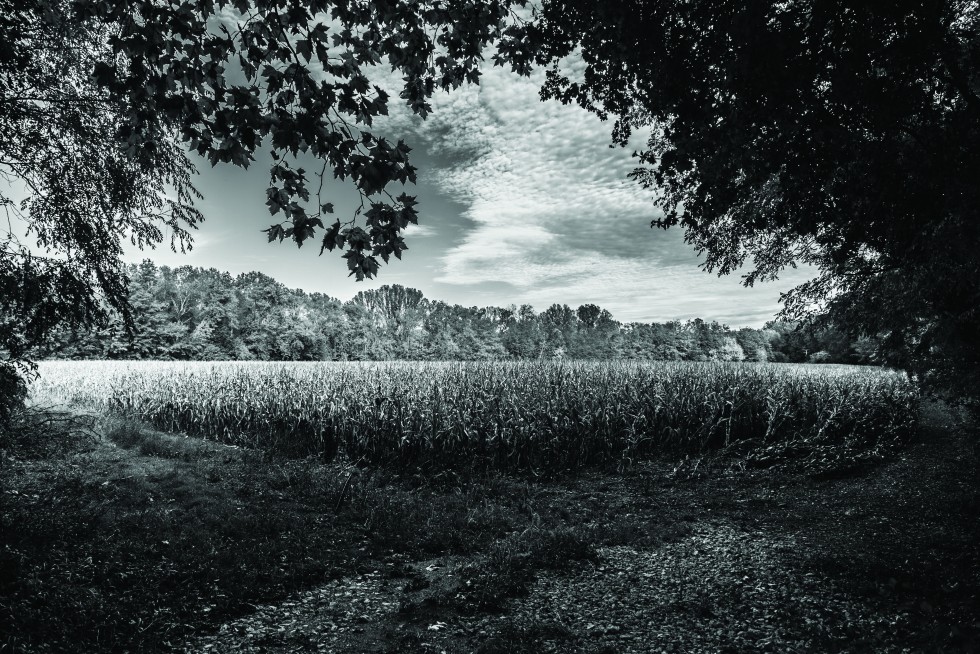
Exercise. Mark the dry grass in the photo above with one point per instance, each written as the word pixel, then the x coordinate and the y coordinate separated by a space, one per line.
pixel 529 416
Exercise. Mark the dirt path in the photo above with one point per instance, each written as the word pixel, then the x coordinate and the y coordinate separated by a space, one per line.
pixel 888 561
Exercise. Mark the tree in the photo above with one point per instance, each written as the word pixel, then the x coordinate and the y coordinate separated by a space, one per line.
pixel 597 334
pixel 730 350
pixel 558 324
pixel 655 342
pixel 86 190
pixel 844 135
pixel 100 102
pixel 201 314
pixel 525 337
pixel 791 342
pixel 756 344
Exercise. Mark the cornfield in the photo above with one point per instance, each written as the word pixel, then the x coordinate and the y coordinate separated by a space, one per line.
pixel 500 415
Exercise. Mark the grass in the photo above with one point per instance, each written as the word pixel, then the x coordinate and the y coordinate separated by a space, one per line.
pixel 122 547
pixel 133 540
pixel 139 540
pixel 523 639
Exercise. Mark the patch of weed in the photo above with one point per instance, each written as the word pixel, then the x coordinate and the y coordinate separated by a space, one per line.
pixel 130 435
pixel 38 433
pixel 510 565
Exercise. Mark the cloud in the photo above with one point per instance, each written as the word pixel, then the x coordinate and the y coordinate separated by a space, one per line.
pixel 535 177
pixel 419 231
pixel 551 215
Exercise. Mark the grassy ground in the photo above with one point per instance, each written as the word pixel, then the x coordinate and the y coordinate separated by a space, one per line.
pixel 119 538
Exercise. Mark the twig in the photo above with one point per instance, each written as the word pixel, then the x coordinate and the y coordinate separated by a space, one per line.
pixel 343 491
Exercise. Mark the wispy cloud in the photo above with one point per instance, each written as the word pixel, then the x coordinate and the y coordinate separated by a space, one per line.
pixel 419 231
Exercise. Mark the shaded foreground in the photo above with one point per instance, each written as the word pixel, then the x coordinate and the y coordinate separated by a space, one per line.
pixel 130 539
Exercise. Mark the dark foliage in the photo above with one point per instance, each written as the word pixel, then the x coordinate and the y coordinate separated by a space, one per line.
pixel 13 391
pixel 845 135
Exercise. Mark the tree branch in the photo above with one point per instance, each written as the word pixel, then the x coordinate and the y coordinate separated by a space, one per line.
pixel 959 81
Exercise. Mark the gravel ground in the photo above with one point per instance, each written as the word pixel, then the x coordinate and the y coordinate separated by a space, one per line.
pixel 337 617
pixel 718 590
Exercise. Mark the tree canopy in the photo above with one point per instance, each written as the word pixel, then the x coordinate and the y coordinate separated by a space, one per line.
pixel 101 102
pixel 845 135
pixel 841 134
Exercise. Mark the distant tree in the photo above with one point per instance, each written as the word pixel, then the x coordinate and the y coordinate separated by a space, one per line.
pixel 707 340
pixel 397 308
pixel 730 350
pixel 196 313
pixel 560 330
pixel 485 328
pixel 326 317
pixel 649 342
pixel 635 340
pixel 361 341
pixel 201 344
pixel 597 336
pixel 791 342
pixel 151 335
pixel 835 342
pixel 756 344
pixel 821 356
pixel 525 338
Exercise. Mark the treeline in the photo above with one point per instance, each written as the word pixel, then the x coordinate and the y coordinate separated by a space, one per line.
pixel 191 313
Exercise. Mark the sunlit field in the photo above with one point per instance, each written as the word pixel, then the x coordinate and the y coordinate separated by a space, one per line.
pixel 500 415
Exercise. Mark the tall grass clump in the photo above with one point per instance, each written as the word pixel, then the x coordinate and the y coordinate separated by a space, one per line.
pixel 502 415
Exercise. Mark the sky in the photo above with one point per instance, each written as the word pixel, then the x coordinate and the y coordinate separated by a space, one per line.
pixel 520 201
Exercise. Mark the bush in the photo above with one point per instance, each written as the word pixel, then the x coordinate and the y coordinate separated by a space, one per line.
pixel 13 392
